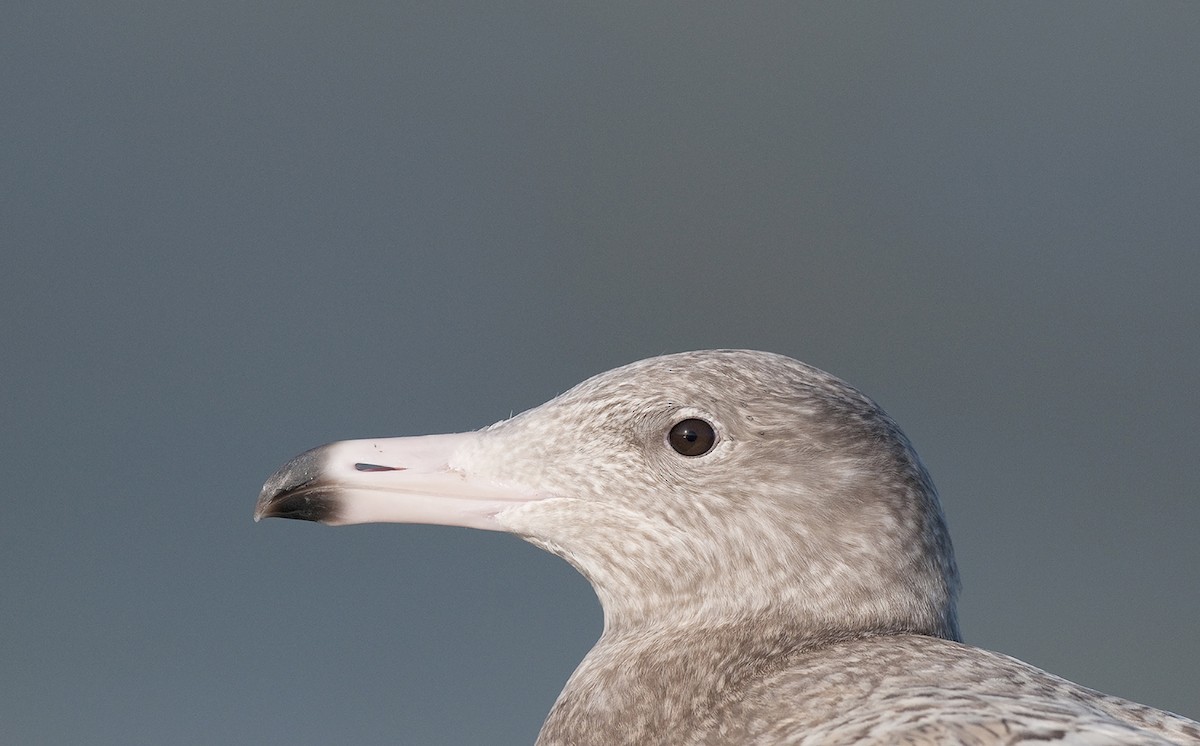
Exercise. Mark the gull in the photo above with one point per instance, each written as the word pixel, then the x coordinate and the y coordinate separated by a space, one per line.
pixel 768 549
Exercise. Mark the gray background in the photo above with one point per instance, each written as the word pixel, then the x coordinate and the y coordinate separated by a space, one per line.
pixel 232 231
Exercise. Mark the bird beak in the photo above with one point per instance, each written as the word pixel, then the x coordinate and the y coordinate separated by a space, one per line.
pixel 387 480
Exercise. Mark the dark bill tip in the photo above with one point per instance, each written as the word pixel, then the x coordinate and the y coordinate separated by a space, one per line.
pixel 296 490
pixel 312 503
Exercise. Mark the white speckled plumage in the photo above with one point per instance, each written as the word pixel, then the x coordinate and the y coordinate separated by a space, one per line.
pixel 793 585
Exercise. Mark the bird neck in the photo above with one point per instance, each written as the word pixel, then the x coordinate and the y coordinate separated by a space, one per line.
pixel 639 683
pixel 794 606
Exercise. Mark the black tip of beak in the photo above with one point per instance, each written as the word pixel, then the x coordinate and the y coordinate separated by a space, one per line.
pixel 297 490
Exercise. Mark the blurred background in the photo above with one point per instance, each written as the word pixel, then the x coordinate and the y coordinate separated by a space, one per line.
pixel 235 230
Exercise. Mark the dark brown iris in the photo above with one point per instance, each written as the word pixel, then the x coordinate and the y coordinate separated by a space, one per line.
pixel 692 437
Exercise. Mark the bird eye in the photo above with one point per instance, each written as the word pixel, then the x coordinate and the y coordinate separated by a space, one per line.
pixel 692 437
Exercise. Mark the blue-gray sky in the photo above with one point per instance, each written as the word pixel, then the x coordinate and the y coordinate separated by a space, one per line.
pixel 232 231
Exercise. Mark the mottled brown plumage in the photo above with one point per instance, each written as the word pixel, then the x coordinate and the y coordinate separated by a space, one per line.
pixel 794 583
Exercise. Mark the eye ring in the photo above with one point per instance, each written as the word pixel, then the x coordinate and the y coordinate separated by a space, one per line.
pixel 692 437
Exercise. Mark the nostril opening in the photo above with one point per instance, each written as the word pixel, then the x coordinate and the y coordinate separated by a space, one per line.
pixel 377 467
